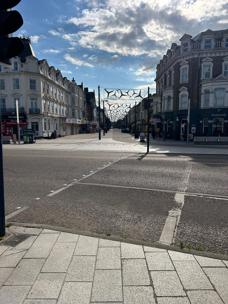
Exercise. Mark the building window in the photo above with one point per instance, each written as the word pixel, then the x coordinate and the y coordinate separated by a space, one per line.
pixel 208 43
pixel 225 69
pixel 33 103
pixel 15 66
pixel 32 84
pixel 226 43
pixel 206 99
pixel 183 101
pixel 184 74
pixel 207 71
pixel 219 97
pixel 16 84
pixel 169 103
pixel 0 68
pixel 2 104
pixel 185 47
pixel 45 125
pixel 20 102
pixel 2 84
pixel 35 127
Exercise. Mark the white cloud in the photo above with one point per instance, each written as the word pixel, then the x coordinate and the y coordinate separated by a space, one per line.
pixel 223 21
pixel 76 61
pixel 51 51
pixel 55 33
pixel 143 27
pixel 35 38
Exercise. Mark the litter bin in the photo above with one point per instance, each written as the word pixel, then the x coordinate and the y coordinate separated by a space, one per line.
pixel 28 136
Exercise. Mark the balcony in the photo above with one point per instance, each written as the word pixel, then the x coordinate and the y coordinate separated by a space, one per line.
pixel 34 111
pixel 12 111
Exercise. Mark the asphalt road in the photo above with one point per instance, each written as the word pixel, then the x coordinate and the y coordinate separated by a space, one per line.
pixel 121 195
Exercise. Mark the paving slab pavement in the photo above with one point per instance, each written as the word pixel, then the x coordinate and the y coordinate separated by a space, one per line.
pixel 54 267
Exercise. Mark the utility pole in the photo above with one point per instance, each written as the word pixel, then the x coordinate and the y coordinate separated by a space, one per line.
pixel 103 119
pixel 99 111
pixel 148 122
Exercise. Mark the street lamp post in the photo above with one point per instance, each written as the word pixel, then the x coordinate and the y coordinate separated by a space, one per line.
pixel 188 121
pixel 135 121
pixel 103 119
pixel 2 204
pixel 18 122
pixel 148 122
pixel 99 112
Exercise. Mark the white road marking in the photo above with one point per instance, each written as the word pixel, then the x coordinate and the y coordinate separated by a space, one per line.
pixel 16 213
pixel 37 198
pixel 170 228
pixel 84 176
pixel 177 194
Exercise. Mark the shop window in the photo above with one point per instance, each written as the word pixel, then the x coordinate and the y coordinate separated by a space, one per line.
pixel 218 126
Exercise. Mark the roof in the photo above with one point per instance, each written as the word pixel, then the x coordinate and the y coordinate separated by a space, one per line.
pixel 28 50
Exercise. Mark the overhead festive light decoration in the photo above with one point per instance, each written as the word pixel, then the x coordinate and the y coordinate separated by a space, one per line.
pixel 118 102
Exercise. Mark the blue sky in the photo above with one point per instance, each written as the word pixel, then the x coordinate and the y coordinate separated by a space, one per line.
pixel 114 43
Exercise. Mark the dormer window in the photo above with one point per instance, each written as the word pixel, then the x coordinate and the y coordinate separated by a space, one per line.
pixel 185 47
pixel 208 43
pixel 15 66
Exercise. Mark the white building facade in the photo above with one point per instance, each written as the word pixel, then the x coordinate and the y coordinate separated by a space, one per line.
pixel 49 104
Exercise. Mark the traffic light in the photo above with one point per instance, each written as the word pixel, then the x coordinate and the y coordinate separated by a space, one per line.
pixel 10 21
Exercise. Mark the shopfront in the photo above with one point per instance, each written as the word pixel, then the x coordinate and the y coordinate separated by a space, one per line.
pixel 9 124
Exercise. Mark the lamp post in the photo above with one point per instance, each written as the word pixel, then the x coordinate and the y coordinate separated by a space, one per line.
pixel 148 122
pixel 18 123
pixel 2 204
pixel 188 120
pixel 135 120
pixel 99 112
pixel 103 119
